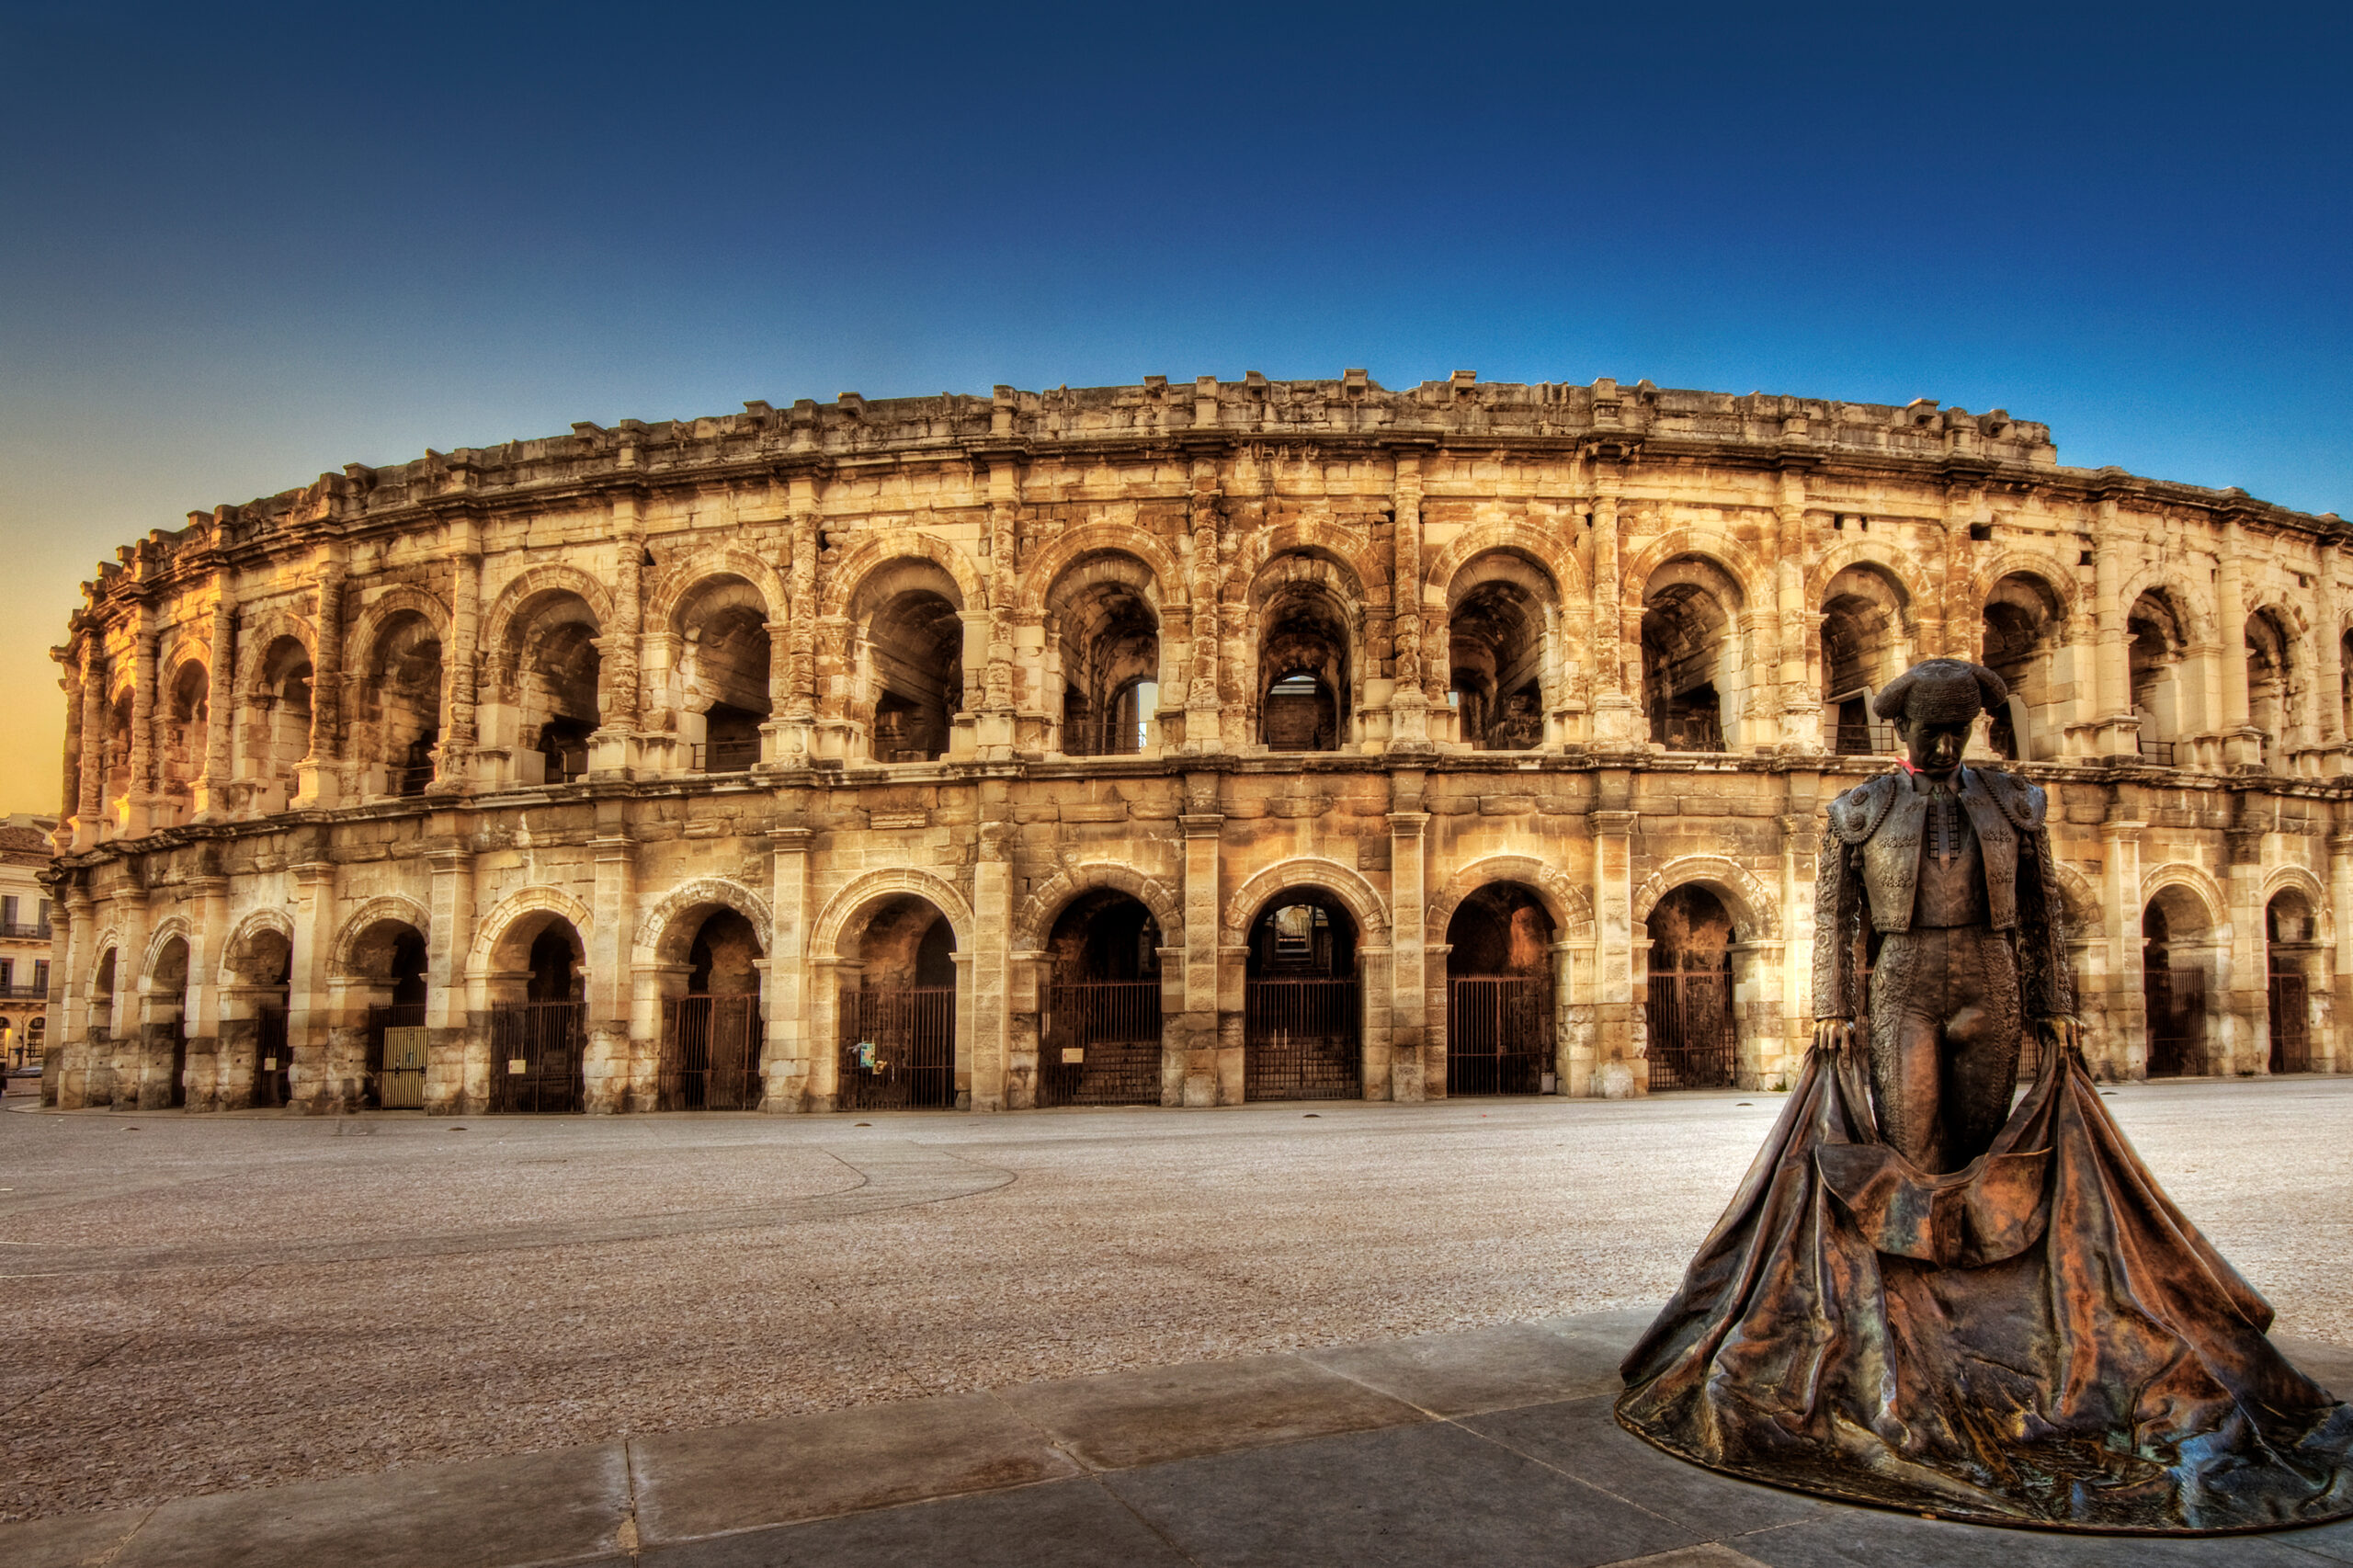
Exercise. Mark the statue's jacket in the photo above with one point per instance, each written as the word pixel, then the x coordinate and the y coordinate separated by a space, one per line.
pixel 1871 866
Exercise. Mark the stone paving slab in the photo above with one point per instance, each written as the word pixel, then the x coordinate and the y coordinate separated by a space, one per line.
pixel 1496 1446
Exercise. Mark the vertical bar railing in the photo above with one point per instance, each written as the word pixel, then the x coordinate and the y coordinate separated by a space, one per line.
pixel 379 1088
pixel 1299 1040
pixel 1692 1042
pixel 536 1049
pixel 1498 1034
pixel 710 1056
pixel 1099 1043
pixel 898 1048
pixel 2290 1042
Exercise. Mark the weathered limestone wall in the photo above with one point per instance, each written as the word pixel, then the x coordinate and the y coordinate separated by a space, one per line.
pixel 1517 607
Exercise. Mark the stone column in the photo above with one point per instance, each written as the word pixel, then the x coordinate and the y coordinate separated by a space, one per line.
pixel 2126 1051
pixel 1616 716
pixel 1800 844
pixel 2240 748
pixel 800 684
pixel 90 805
pixel 989 978
pixel 1192 1076
pixel 611 1064
pixel 457 1056
pixel 1801 702
pixel 73 950
pixel 1411 1071
pixel 1203 716
pixel 127 1056
pixel 453 762
pixel 2119 727
pixel 997 672
pixel 138 817
pixel 210 797
pixel 310 1020
pixel 612 748
pixel 789 1061
pixel 2328 701
pixel 1619 1044
pixel 2339 1045
pixel 314 776
pixel 215 1084
pixel 778 734
pixel 1409 703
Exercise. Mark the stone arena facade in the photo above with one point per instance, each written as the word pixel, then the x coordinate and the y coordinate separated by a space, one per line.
pixel 1165 743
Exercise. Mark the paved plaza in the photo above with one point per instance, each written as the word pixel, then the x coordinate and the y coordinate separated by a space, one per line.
pixel 217 1304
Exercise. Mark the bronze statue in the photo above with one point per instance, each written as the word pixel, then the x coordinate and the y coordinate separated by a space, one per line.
pixel 1925 1298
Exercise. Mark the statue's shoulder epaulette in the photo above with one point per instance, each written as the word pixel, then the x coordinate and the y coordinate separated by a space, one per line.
pixel 1856 815
pixel 2024 803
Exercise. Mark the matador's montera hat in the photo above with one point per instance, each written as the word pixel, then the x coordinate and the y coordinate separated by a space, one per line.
pixel 1941 691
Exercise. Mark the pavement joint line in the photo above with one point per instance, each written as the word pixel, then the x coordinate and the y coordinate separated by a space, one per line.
pixel 1104 1487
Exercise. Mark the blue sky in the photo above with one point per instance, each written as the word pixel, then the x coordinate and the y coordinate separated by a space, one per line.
pixel 241 246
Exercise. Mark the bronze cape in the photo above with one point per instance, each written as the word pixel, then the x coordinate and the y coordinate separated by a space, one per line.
pixel 2040 1339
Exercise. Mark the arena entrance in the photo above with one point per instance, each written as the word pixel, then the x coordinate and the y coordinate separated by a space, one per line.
pixel 1098 1041
pixel 898 1014
pixel 165 1084
pixel 539 1045
pixel 1301 1037
pixel 2173 981
pixel 252 1025
pixel 2289 954
pixel 392 958
pixel 711 1036
pixel 1694 1043
pixel 1499 1037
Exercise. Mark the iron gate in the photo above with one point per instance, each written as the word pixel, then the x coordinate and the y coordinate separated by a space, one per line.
pixel 1099 1043
pixel 398 1085
pixel 710 1053
pixel 536 1051
pixel 898 1048
pixel 1692 1042
pixel 2176 1001
pixel 273 1077
pixel 1498 1034
pixel 1299 1041
pixel 178 1027
pixel 2291 1045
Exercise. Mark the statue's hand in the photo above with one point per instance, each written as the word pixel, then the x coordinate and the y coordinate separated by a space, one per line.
pixel 2063 1032
pixel 1833 1034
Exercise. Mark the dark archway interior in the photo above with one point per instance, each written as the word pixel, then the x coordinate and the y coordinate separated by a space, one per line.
pixel 724 957
pixel 1305 934
pixel 1110 658
pixel 1105 935
pixel 1684 633
pixel 907 941
pixel 1692 1042
pixel 556 968
pixel 916 643
pixel 1302 673
pixel 1494 655
pixel 1502 928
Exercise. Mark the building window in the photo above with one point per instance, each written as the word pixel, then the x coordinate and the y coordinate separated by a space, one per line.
pixel 41 975
pixel 41 914
pixel 8 909
pixel 7 975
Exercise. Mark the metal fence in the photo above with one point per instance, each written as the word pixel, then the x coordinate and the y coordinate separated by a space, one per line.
pixel 1299 1041
pixel 2291 1044
pixel 1498 1034
pixel 710 1053
pixel 408 779
pixel 898 1048
pixel 536 1056
pixel 1866 739
pixel 2176 1001
pixel 273 1060
pixel 734 754
pixel 395 1082
pixel 2160 752
pixel 1692 1040
pixel 1099 1043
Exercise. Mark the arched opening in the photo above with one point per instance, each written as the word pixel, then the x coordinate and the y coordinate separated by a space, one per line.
pixel 1098 1041
pixel 1108 643
pixel 724 650
pixel 2292 965
pixel 102 984
pixel 2273 685
pixel 2025 631
pixel 539 1033
pixel 711 1035
pixel 912 649
pixel 2178 953
pixel 1694 1037
pixel 1692 678
pixel 2344 680
pixel 256 1065
pixel 1499 1035
pixel 117 758
pixel 401 705
pixel 1302 670
pixel 898 1010
pixel 385 972
pixel 1302 1034
pixel 163 1085
pixel 277 732
pixel 549 674
pixel 1496 667
pixel 187 711
pixel 2159 642
pixel 1863 645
